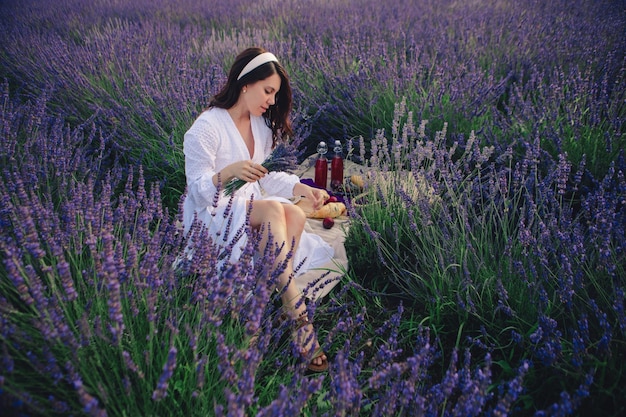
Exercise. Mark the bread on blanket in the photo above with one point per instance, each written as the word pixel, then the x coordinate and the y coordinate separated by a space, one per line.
pixel 332 210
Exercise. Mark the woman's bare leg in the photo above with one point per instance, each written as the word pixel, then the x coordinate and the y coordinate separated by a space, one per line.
pixel 285 222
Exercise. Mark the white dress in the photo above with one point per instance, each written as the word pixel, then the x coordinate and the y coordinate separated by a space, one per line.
pixel 212 143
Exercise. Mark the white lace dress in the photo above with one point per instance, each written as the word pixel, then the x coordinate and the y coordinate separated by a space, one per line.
pixel 212 143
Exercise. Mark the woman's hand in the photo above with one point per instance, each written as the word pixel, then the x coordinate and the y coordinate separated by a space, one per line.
pixel 315 195
pixel 248 171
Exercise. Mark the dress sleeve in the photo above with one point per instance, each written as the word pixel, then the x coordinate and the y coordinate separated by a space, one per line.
pixel 279 184
pixel 200 146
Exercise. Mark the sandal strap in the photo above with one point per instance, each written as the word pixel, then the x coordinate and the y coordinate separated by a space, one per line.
pixel 302 321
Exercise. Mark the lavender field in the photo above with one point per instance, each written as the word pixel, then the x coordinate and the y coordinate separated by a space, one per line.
pixel 487 258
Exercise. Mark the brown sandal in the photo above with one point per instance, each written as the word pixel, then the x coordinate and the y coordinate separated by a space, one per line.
pixel 299 323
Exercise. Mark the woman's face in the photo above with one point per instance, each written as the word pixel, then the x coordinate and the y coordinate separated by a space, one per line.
pixel 261 95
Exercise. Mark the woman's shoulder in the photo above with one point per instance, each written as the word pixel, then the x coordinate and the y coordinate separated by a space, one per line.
pixel 213 114
pixel 210 120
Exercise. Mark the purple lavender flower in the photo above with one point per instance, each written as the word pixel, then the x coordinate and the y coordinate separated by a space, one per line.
pixel 168 370
pixel 514 390
pixel 345 387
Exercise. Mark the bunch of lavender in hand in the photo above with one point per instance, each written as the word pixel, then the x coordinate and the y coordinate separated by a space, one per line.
pixel 282 158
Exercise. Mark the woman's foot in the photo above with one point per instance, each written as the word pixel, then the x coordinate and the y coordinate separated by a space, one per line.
pixel 304 336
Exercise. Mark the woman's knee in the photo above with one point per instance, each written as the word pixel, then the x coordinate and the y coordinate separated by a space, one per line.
pixel 264 211
pixel 294 216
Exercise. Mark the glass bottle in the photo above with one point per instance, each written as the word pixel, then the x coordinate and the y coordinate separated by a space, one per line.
pixel 336 167
pixel 321 165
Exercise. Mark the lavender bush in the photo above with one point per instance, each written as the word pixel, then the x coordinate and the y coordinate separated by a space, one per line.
pixel 505 245
pixel 497 256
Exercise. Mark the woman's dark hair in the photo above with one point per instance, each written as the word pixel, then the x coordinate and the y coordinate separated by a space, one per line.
pixel 277 116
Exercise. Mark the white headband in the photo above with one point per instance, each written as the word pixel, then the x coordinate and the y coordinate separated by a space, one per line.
pixel 257 61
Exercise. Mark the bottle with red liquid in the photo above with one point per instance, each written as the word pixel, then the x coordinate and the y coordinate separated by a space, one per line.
pixel 321 165
pixel 336 168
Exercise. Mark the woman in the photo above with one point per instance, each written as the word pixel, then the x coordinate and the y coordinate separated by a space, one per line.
pixel 231 140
